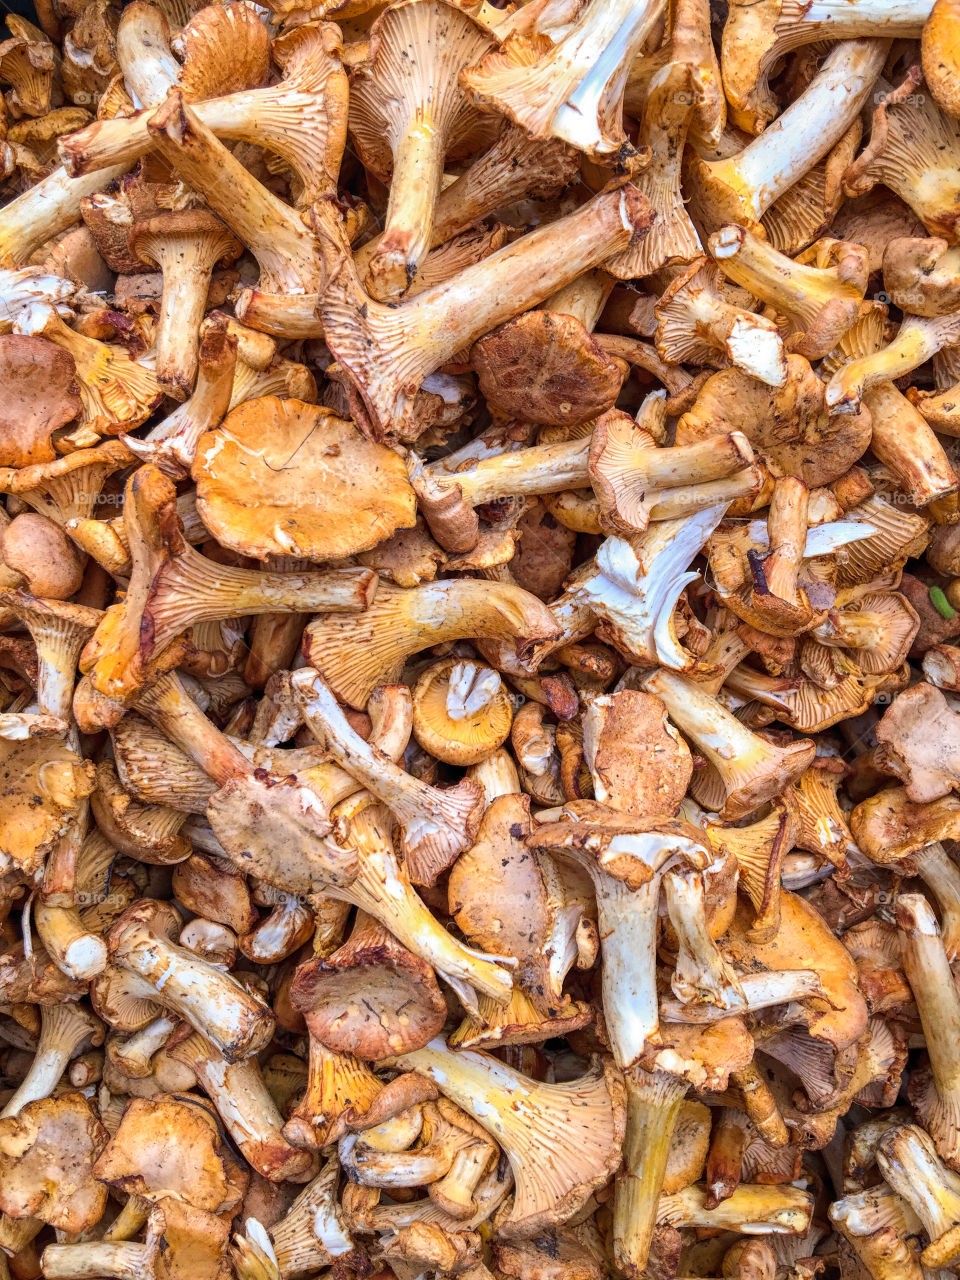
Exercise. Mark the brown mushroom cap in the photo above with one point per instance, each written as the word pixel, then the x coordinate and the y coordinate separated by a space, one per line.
pixel 545 367
pixel 281 477
pixel 168 1148
pixel 47 1156
pixel 39 393
pixel 372 997
pixel 40 550
pixel 788 426
pixel 224 49
pixel 639 762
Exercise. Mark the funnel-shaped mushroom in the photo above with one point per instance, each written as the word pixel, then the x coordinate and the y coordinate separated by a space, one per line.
pixel 626 858
pixel 407 114
pixel 387 352
pixel 47 1156
pixel 249 1113
pixel 400 622
pixel 747 770
pixel 820 302
pixel 562 1140
pixel 186 246
pixel 742 187
pixel 437 824
pixel 696 324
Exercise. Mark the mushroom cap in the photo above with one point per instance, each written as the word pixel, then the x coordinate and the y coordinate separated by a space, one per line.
pixel 47 1156
pixel 805 941
pixel 417 48
pixel 192 225
pixel 42 784
pixel 461 711
pixel 372 997
pixel 146 832
pixel 639 762
pixel 545 367
pixel 39 394
pixel 496 892
pixel 40 550
pixel 789 426
pixel 167 1147
pixel 919 740
pixel 281 477
pixel 224 49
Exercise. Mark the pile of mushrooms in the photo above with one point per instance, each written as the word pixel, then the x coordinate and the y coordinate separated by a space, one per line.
pixel 480 640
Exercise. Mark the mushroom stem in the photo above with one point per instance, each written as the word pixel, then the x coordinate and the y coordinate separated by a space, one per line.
pixel 382 889
pixel 904 441
pixel 46 209
pixel 787 532
pixel 417 172
pixel 187 262
pixel 744 186
pixel 941 875
pixel 143 53
pixel 212 1001
pixel 437 824
pixel 545 468
pixel 124 1261
pixel 271 230
pixel 247 1109
pixel 938 1002
pixel 918 338
pixel 167 705
pixel 62 1030
pixel 909 1162
pixel 76 951
pixel 653 1103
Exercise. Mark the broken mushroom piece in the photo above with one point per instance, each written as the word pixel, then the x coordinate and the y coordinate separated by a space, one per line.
pixel 461 711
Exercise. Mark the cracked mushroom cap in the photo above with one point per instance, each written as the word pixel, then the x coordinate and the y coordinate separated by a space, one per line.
pixel 788 426
pixel 168 1147
pixel 39 394
pixel 47 1168
pixel 638 761
pixel 281 477
pixel 372 997
pixel 461 711
pixel 545 367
